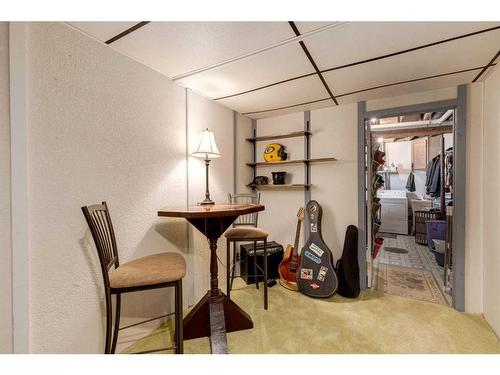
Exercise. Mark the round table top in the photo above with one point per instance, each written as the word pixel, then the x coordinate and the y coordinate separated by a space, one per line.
pixel 210 211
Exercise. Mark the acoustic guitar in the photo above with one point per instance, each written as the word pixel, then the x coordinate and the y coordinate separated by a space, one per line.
pixel 291 261
pixel 316 277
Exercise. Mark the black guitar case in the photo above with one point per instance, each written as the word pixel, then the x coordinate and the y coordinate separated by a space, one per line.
pixel 316 277
pixel 347 265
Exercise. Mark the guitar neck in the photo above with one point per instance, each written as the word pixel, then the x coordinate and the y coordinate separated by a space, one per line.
pixel 296 245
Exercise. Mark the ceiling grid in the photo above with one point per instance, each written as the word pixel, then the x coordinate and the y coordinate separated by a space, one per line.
pixel 369 60
pixel 313 63
pixel 264 69
pixel 491 63
pixel 126 32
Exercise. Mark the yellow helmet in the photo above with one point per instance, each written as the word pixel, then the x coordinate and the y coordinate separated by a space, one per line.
pixel 274 152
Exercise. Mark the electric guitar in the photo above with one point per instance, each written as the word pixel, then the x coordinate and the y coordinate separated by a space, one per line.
pixel 317 276
pixel 291 261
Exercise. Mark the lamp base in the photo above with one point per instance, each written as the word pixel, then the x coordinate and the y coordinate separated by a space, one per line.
pixel 206 202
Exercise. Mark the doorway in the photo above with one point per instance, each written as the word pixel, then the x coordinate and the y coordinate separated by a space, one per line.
pixel 410 199
pixel 454 285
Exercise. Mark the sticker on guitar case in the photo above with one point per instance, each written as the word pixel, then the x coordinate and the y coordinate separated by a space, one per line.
pixel 312 212
pixel 306 273
pixel 315 248
pixel 314 228
pixel 322 273
pixel 313 257
pixel 314 285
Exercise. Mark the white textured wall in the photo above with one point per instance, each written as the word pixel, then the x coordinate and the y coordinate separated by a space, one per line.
pixel 491 203
pixel 5 244
pixel 473 201
pixel 103 127
pixel 335 183
pixel 243 153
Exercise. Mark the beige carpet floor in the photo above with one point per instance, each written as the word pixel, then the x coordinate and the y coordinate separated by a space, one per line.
pixel 373 323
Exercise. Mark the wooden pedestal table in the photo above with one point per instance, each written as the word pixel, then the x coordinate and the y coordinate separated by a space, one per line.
pixel 215 314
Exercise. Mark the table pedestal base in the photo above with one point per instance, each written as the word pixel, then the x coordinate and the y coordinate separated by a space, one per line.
pixel 213 316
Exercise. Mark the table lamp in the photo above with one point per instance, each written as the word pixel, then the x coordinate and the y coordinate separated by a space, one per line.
pixel 207 149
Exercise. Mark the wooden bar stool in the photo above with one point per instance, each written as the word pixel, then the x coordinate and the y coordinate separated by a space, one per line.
pixel 245 229
pixel 150 272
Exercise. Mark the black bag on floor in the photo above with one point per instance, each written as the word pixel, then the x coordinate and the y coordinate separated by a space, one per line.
pixel 347 265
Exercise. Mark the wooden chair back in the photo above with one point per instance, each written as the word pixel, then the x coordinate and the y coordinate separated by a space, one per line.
pixel 99 222
pixel 249 219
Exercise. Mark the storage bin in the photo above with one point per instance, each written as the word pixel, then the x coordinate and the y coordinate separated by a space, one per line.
pixel 421 217
pixel 439 258
pixel 439 251
pixel 436 230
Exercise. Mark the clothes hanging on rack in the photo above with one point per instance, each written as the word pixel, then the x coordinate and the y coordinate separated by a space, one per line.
pixel 410 183
pixel 433 172
pixel 433 178
pixel 448 164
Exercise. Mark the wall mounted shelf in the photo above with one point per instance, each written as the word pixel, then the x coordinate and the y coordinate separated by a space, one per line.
pixel 306 162
pixel 279 136
pixel 280 187
pixel 273 164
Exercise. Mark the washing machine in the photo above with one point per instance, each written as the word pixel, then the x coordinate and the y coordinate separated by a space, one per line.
pixel 394 211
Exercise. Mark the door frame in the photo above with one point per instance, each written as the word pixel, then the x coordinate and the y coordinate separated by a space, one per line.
pixel 19 188
pixel 459 104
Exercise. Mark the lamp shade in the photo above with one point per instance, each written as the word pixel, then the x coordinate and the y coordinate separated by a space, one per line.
pixel 207 148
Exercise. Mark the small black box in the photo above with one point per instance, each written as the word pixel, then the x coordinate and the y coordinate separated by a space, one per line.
pixel 274 258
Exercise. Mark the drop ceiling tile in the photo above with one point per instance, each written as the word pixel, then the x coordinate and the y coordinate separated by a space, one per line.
pixel 488 71
pixel 103 30
pixel 409 88
pixel 356 41
pixel 305 27
pixel 175 48
pixel 300 108
pixel 454 56
pixel 271 66
pixel 291 93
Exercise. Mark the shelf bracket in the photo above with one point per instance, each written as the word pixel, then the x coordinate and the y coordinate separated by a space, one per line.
pixel 254 153
pixel 307 156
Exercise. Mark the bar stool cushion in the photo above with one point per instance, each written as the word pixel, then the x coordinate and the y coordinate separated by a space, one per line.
pixel 246 233
pixel 149 270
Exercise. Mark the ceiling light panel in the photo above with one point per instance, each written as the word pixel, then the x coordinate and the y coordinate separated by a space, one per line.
pixel 177 48
pixel 358 41
pixel 454 56
pixel 258 70
pixel 409 88
pixel 290 93
pixel 103 30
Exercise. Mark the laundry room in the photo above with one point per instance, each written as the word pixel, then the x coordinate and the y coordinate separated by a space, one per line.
pixel 412 191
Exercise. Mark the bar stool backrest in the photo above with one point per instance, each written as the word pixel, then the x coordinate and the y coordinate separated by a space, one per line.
pixel 99 222
pixel 248 219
